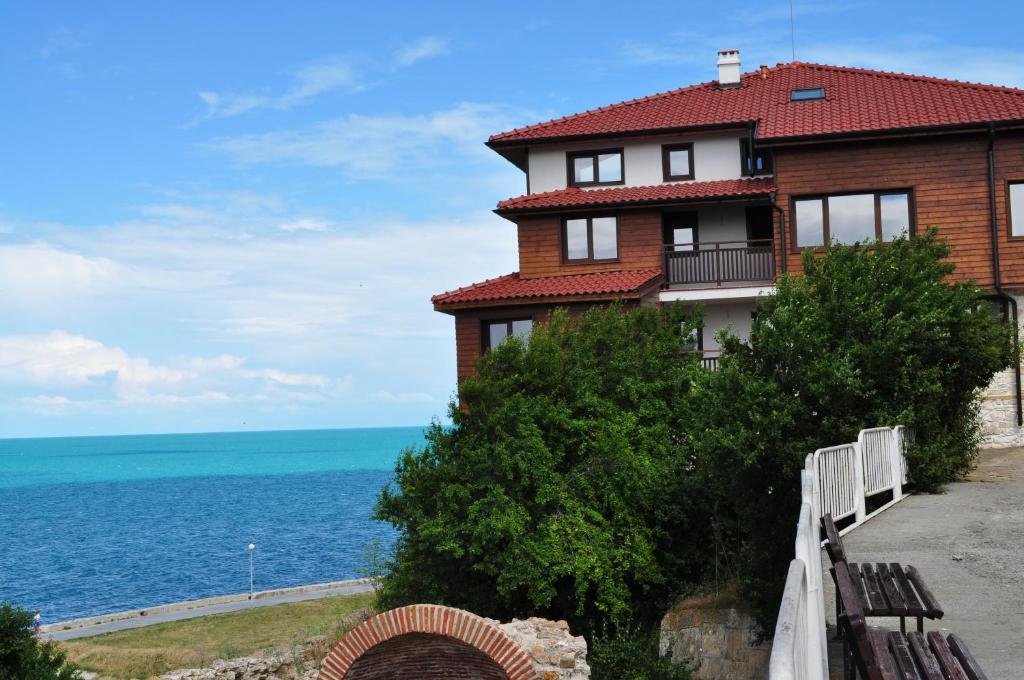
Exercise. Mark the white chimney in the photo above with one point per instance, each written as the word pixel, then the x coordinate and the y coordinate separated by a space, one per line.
pixel 728 68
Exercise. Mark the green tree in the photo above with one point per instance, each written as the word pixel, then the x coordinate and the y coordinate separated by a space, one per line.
pixel 868 335
pixel 563 488
pixel 22 655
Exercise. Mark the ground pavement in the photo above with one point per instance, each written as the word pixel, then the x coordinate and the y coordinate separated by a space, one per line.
pixel 968 544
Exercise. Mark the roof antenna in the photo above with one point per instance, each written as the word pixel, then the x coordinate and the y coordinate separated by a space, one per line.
pixel 792 32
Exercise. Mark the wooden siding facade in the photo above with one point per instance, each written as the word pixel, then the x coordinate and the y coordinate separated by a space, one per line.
pixel 946 175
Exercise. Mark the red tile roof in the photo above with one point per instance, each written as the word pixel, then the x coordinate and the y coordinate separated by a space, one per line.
pixel 856 101
pixel 659 193
pixel 511 287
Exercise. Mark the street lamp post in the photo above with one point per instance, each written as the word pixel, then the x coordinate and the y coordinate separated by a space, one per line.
pixel 252 549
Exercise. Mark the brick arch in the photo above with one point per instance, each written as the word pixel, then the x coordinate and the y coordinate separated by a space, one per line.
pixel 449 635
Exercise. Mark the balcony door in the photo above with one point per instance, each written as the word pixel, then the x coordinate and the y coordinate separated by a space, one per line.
pixel 680 231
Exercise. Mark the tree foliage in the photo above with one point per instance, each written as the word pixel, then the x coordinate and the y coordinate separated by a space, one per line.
pixel 22 655
pixel 595 472
pixel 867 336
pixel 562 490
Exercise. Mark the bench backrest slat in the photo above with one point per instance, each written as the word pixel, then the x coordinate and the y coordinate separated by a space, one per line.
pixel 833 542
pixel 854 624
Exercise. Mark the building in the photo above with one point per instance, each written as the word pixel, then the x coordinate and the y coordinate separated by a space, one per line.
pixel 706 193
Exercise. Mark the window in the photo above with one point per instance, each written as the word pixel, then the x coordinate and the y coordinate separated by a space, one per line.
pixel 680 231
pixel 591 168
pixel 807 94
pixel 694 340
pixel 591 239
pixel 1015 207
pixel 677 162
pixel 758 164
pixel 852 218
pixel 496 332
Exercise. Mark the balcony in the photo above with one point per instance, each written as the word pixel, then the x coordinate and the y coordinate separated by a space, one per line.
pixel 719 263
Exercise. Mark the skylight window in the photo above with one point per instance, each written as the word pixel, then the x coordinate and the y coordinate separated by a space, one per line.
pixel 807 94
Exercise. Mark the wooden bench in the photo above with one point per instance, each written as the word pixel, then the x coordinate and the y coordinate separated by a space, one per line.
pixel 884 588
pixel 887 655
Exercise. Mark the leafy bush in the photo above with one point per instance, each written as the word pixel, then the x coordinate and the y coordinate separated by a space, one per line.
pixel 629 653
pixel 867 336
pixel 594 474
pixel 22 655
pixel 564 488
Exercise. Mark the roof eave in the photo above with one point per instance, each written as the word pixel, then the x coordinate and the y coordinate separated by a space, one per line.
pixel 753 196
pixel 497 144
pixel 887 133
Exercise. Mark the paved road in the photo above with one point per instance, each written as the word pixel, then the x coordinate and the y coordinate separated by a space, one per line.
pixel 968 544
pixel 188 612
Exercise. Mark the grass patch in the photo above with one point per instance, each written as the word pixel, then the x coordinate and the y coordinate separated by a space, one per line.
pixel 191 643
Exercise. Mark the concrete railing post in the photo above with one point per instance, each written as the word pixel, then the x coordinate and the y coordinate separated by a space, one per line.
pixel 858 484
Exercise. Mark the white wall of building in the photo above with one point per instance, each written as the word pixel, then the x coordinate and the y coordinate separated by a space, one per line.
pixel 714 158
pixel 735 316
pixel 722 223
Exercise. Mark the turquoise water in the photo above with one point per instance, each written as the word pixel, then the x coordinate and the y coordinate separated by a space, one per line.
pixel 99 524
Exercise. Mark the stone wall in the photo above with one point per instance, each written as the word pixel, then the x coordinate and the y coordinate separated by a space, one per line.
pixel 556 653
pixel 998 402
pixel 278 665
pixel 714 639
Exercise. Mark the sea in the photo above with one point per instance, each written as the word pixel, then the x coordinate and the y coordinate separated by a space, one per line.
pixel 93 525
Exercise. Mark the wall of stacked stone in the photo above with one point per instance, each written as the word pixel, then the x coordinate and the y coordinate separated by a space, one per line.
pixel 714 639
pixel 998 405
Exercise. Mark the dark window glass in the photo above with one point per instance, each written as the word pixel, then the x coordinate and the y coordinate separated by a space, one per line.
pixel 851 219
pixel 499 331
pixel 677 161
pixel 609 167
pixel 1017 209
pixel 591 239
pixel 576 240
pixel 760 163
pixel 895 212
pixel 595 167
pixel 692 340
pixel 807 94
pixel 583 169
pixel 810 223
pixel 683 238
pixel 605 239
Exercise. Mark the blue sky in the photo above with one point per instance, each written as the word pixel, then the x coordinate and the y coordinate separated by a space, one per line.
pixel 230 216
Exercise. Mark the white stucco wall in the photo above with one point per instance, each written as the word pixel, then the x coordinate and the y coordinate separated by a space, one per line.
pixel 713 158
pixel 722 223
pixel 734 315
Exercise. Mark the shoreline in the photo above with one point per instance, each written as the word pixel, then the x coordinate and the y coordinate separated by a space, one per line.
pixel 133 618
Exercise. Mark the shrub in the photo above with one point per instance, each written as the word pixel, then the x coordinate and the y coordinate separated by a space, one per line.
pixel 22 655
pixel 563 489
pixel 867 336
pixel 630 653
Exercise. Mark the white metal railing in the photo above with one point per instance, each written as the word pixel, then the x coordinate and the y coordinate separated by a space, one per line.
pixel 836 480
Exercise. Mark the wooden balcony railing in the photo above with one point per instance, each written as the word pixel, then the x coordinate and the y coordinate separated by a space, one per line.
pixel 718 262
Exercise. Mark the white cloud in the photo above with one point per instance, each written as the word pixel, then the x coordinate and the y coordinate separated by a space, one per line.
pixel 373 146
pixel 331 73
pixel 304 224
pixel 73 363
pixel 427 47
pixel 403 397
